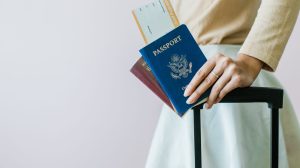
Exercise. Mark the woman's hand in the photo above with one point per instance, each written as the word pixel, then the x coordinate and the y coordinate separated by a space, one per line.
pixel 224 75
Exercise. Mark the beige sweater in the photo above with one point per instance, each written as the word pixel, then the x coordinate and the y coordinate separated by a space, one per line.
pixel 262 27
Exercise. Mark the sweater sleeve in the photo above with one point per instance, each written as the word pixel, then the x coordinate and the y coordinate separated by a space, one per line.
pixel 270 31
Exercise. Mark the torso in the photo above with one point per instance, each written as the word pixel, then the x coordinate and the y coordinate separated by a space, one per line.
pixel 217 21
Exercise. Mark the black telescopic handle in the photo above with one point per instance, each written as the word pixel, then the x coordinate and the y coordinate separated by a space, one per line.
pixel 272 96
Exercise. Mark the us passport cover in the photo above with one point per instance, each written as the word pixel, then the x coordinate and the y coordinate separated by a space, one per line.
pixel 174 59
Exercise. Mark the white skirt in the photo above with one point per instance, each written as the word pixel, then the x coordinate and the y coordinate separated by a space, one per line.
pixel 234 135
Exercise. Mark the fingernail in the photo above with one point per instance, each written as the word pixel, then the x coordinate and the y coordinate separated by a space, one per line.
pixel 185 94
pixel 186 91
pixel 189 101
pixel 207 106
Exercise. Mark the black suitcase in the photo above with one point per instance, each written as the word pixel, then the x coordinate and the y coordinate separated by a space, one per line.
pixel 272 96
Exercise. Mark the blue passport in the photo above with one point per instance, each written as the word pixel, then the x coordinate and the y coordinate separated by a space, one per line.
pixel 174 59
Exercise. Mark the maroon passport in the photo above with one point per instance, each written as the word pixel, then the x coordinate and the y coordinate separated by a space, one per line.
pixel 143 72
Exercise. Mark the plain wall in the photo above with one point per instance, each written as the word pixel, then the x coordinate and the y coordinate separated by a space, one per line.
pixel 67 98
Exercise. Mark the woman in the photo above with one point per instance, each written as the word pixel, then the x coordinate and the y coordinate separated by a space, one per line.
pixel 243 40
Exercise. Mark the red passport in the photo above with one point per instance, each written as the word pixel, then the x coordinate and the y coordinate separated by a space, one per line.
pixel 143 72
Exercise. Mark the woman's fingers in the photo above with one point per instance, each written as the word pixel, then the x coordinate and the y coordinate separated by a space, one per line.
pixel 232 82
pixel 199 77
pixel 222 63
pixel 231 85
pixel 208 82
pixel 218 86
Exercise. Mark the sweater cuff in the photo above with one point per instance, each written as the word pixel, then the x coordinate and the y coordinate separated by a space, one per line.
pixel 269 59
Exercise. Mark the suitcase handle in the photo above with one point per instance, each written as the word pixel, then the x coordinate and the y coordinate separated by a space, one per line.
pixel 272 96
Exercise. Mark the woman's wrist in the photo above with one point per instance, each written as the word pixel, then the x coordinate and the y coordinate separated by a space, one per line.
pixel 253 64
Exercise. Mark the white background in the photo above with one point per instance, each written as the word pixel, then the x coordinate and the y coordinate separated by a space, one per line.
pixel 67 99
